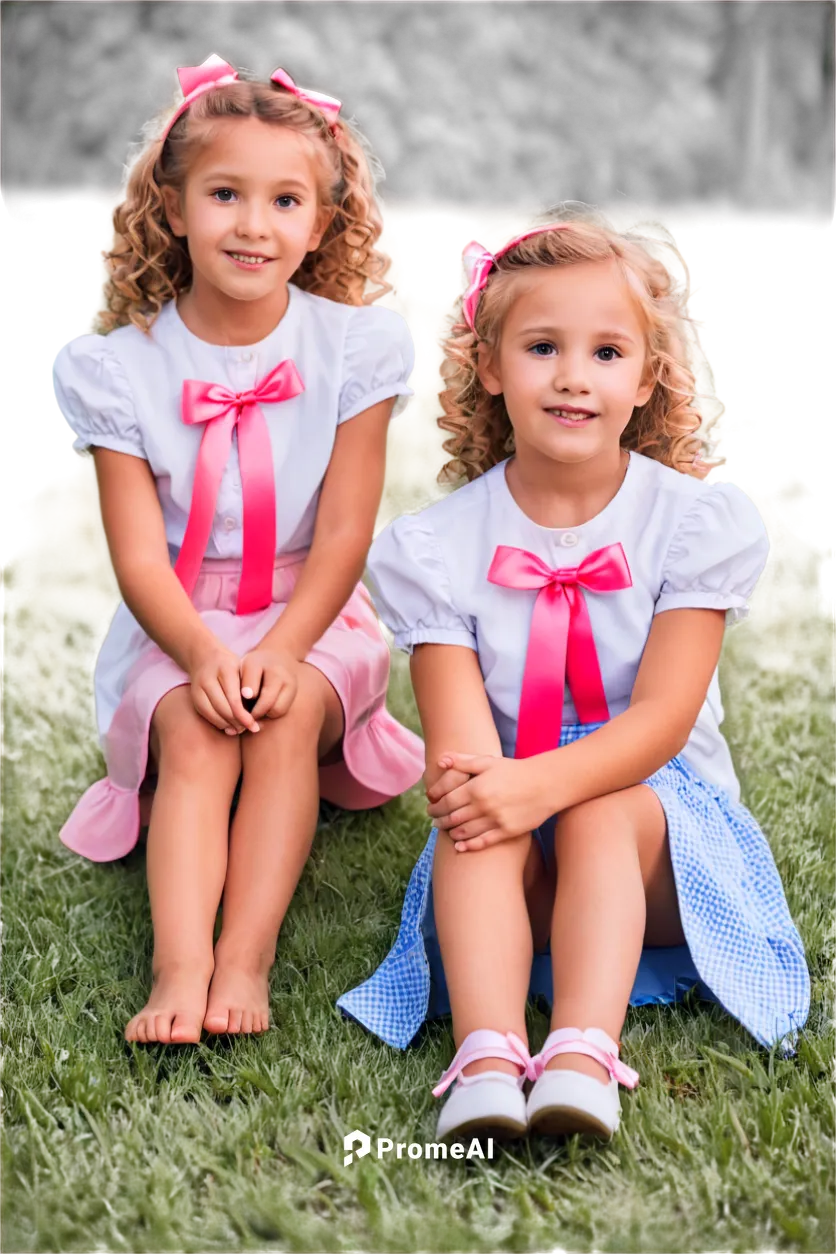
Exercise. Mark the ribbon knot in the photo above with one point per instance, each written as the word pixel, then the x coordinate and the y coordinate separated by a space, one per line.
pixel 223 411
pixel 561 648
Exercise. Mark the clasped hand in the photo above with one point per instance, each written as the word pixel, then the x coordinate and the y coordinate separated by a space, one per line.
pixel 221 682
pixel 481 800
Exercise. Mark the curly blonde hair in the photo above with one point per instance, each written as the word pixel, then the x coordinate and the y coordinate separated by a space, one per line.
pixel 670 427
pixel 148 265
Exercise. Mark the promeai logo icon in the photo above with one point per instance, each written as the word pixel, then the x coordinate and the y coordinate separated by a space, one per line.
pixel 358 1139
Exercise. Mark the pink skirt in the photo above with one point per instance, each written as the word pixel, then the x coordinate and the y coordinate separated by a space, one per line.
pixel 381 758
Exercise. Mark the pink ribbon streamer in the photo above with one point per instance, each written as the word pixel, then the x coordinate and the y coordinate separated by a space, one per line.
pixel 222 411
pixel 561 647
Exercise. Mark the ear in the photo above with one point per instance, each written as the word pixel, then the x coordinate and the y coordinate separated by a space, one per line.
pixel 488 371
pixel 173 210
pixel 324 218
pixel 644 394
pixel 648 383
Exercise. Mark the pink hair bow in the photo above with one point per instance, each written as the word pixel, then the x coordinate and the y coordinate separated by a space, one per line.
pixel 215 72
pixel 222 411
pixel 326 104
pixel 195 80
pixel 561 647
pixel 479 263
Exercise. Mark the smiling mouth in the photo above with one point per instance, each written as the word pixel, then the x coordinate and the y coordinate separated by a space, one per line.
pixel 575 417
pixel 249 259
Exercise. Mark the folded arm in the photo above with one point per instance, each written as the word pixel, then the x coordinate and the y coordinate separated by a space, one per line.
pixel 508 797
pixel 454 710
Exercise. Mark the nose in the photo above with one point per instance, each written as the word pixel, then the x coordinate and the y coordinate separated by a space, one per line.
pixel 571 374
pixel 251 220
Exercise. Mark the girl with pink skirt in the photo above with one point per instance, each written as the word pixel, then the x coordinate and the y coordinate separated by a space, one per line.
pixel 236 401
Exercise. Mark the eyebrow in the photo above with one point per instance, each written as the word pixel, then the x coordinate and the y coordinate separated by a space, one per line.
pixel 222 176
pixel 612 334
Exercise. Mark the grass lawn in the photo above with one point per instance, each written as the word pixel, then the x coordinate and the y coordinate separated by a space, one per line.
pixel 237 1143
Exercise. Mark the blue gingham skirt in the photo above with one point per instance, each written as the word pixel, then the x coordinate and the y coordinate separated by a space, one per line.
pixel 742 948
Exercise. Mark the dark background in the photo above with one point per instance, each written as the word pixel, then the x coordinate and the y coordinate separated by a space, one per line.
pixel 727 102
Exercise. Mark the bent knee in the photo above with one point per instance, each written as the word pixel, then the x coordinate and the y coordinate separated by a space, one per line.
pixel 187 745
pixel 615 816
pixel 303 722
pixel 507 857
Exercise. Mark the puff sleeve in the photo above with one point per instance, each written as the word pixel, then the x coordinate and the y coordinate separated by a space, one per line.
pixel 716 555
pixel 411 587
pixel 95 397
pixel 377 361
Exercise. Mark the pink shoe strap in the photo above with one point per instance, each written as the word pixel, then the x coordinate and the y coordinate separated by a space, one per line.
pixel 594 1043
pixel 485 1043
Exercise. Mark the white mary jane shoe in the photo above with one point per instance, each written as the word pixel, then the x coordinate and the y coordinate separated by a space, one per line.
pixel 490 1103
pixel 563 1102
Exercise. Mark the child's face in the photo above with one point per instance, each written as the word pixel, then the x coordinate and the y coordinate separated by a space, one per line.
pixel 249 209
pixel 570 362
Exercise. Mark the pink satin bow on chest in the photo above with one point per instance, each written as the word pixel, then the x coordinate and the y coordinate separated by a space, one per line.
pixel 222 411
pixel 561 648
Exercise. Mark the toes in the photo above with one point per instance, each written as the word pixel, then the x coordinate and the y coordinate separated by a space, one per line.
pixel 247 1022
pixel 235 1017
pixel 185 1030
pixel 263 1021
pixel 142 1029
pixel 216 1021
pixel 162 1028
pixel 130 1030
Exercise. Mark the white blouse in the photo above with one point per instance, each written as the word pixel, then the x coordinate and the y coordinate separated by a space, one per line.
pixel 123 391
pixel 687 543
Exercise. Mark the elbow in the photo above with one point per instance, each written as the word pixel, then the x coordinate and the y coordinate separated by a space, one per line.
pixel 671 729
pixel 133 577
pixel 677 732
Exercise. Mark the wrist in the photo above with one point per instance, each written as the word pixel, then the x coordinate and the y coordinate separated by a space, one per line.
pixel 197 647
pixel 546 781
pixel 285 647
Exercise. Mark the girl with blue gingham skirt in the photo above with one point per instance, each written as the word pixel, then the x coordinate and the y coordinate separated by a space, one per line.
pixel 564 610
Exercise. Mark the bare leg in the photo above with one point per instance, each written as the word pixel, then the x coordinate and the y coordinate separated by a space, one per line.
pixel 539 883
pixel 484 934
pixel 186 863
pixel 272 834
pixel 615 888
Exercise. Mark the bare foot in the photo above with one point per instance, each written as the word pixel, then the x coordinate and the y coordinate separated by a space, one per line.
pixel 174 1012
pixel 238 995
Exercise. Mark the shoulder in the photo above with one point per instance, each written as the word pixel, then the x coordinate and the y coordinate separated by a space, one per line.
pixel 377 359
pixel 681 503
pixel 423 535
pixel 94 394
pixel 90 361
pixel 359 324
pixel 463 507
